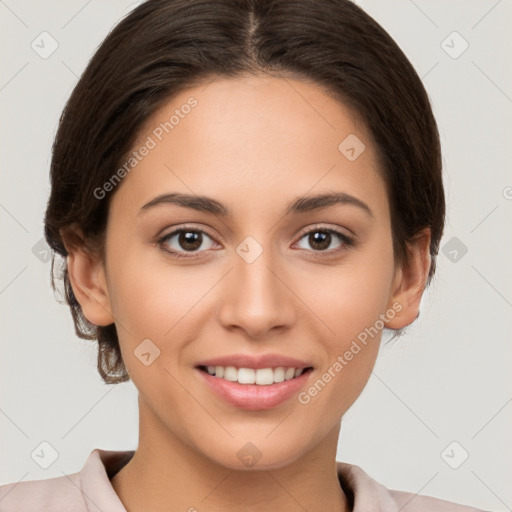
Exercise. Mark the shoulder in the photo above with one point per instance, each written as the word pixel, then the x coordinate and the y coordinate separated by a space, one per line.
pixel 367 494
pixel 410 502
pixel 59 494
pixel 90 487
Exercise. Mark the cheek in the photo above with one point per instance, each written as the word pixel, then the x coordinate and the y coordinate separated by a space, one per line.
pixel 350 301
pixel 350 308
pixel 156 300
pixel 350 298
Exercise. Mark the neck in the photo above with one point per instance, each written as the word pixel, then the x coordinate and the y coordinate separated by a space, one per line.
pixel 165 474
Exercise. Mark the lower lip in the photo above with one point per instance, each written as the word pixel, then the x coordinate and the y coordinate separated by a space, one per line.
pixel 254 397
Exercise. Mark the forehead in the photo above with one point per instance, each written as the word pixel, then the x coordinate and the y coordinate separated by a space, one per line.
pixel 263 111
pixel 253 136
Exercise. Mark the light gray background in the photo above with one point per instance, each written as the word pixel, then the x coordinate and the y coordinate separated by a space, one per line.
pixel 447 380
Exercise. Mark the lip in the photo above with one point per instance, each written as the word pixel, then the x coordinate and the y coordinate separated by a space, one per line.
pixel 254 397
pixel 256 362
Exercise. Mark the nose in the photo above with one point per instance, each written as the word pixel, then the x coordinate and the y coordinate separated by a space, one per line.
pixel 257 297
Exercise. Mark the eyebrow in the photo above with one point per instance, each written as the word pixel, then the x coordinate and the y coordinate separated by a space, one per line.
pixel 300 205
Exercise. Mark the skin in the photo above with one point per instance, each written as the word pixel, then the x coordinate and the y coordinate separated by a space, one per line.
pixel 255 144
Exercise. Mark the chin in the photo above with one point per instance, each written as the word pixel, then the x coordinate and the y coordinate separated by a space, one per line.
pixel 258 455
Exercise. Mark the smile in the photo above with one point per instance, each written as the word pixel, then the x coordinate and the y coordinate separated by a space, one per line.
pixel 254 389
pixel 260 376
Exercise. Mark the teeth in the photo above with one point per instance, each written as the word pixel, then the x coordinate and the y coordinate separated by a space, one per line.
pixel 262 376
pixel 289 374
pixel 230 373
pixel 279 375
pixel 246 376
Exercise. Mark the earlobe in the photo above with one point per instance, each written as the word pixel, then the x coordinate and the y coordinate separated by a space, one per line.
pixel 410 281
pixel 87 277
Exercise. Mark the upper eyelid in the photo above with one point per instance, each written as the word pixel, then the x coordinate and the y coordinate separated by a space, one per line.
pixel 185 228
pixel 322 227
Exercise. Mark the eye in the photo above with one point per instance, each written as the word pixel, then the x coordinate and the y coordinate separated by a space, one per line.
pixel 320 239
pixel 186 240
pixel 194 240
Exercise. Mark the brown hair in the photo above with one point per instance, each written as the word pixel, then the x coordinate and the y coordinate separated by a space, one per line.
pixel 165 46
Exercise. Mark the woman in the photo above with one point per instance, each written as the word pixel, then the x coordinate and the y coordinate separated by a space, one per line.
pixel 246 193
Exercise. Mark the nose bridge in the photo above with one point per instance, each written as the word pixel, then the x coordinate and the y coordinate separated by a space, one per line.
pixel 256 300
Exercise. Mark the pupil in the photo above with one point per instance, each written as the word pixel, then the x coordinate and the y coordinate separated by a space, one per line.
pixel 190 240
pixel 321 239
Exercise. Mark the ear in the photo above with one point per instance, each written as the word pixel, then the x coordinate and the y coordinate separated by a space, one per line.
pixel 410 281
pixel 88 279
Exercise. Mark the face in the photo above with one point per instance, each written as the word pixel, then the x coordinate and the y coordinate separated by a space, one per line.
pixel 255 272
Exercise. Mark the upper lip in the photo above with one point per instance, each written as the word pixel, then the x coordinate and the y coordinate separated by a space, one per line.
pixel 256 362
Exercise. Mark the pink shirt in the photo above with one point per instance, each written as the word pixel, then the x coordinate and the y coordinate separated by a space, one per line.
pixel 90 490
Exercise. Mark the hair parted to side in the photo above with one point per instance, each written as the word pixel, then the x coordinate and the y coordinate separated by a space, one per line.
pixel 166 46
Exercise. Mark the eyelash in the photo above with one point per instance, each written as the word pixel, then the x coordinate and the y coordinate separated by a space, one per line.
pixel 347 241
